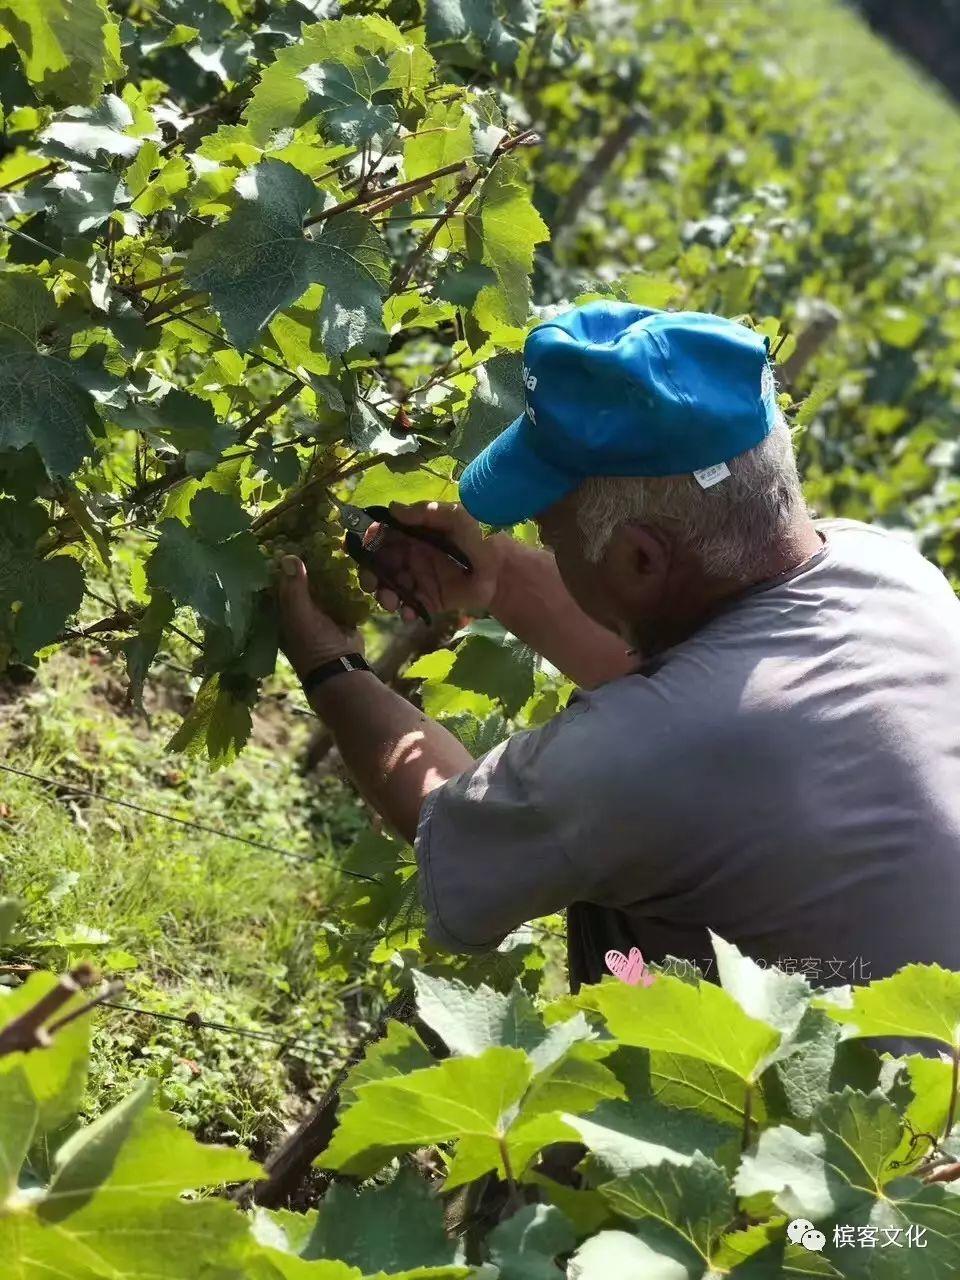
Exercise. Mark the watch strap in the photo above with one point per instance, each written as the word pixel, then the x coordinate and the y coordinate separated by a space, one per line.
pixel 335 667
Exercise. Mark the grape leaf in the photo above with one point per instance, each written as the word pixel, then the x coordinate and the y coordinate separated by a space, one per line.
pixel 87 135
pixel 344 97
pixel 82 202
pixel 351 263
pixel 19 1110
pixel 460 1098
pixel 838 1168
pixel 477 1155
pixel 42 401
pixel 36 596
pixel 383 1229
pixel 442 139
pixel 189 423
pixel 472 1020
pixel 57 1076
pixel 842 1173
pixel 478 736
pixel 503 230
pixel 496 401
pixel 624 1135
pixel 501 669
pixel 134 1148
pixel 369 430
pixel 381 486
pixel 219 723
pixel 158 193
pixel 617 1253
pixel 680 1208
pixel 260 261
pixel 397 1053
pixel 920 1001
pixel 460 284
pixel 571 1075
pixel 70 48
pixel 180 1240
pixel 141 649
pixel 525 1245
pixel 701 1021
pixel 498 30
pixel 279 99
pixel 214 564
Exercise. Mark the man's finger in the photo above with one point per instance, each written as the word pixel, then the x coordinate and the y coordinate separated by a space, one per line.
pixel 388 599
pixel 296 606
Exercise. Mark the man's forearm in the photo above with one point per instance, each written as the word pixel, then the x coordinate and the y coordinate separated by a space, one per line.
pixel 532 602
pixel 395 754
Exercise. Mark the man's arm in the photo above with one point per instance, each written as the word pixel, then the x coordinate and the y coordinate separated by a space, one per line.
pixel 519 585
pixel 532 602
pixel 395 754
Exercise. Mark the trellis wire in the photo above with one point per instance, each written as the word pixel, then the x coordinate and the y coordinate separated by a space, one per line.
pixel 204 827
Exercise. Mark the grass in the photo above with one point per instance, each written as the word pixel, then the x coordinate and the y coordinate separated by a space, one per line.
pixel 193 922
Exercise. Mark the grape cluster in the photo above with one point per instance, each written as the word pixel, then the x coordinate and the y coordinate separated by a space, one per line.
pixel 312 532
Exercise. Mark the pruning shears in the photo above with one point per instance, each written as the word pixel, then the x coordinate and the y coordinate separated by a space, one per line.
pixel 357 520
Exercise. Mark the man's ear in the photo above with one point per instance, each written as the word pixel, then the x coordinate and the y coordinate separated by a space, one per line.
pixel 634 566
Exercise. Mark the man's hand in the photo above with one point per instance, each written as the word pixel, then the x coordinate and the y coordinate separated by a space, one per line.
pixel 307 635
pixel 428 574
pixel 395 754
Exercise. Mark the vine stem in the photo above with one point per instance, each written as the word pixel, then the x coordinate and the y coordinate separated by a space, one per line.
pixel 954 1083
pixel 269 409
pixel 155 282
pixel 28 177
pixel 747 1116
pixel 163 305
pixel 402 277
pixel 393 193
pixel 323 481
pixel 508 1171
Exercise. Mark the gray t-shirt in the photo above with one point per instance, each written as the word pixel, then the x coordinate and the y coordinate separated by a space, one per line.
pixel 788 777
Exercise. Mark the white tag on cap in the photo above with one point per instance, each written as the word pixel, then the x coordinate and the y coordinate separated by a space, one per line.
pixel 710 476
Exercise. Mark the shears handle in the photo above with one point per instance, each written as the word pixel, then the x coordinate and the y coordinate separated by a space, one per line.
pixel 430 536
pixel 367 555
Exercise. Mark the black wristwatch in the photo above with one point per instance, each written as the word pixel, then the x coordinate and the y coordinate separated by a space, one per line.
pixel 335 667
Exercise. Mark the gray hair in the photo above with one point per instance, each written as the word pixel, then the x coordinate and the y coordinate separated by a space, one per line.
pixel 730 526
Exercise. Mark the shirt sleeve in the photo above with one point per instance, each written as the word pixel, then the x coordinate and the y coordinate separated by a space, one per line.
pixel 491 844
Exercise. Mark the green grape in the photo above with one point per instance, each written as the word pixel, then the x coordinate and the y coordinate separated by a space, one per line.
pixel 333 580
pixel 307 532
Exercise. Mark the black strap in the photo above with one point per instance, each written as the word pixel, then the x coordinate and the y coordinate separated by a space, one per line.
pixel 336 666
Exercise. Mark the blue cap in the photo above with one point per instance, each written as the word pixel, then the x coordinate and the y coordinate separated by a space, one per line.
pixel 613 389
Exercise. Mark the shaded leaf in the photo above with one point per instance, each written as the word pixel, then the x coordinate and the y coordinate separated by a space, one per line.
pixel 37 596
pixel 84 135
pixel 214 564
pixel 42 400
pixel 496 401
pixel 526 1245
pixel 343 96
pixel 382 1229
pixel 69 50
pixel 260 261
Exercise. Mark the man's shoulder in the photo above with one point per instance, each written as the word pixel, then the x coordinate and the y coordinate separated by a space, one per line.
pixel 880 556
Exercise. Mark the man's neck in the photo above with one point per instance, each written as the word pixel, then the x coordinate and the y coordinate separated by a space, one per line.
pixel 800 544
pixel 708 596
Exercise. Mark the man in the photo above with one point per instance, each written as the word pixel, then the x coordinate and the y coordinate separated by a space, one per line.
pixel 782 763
